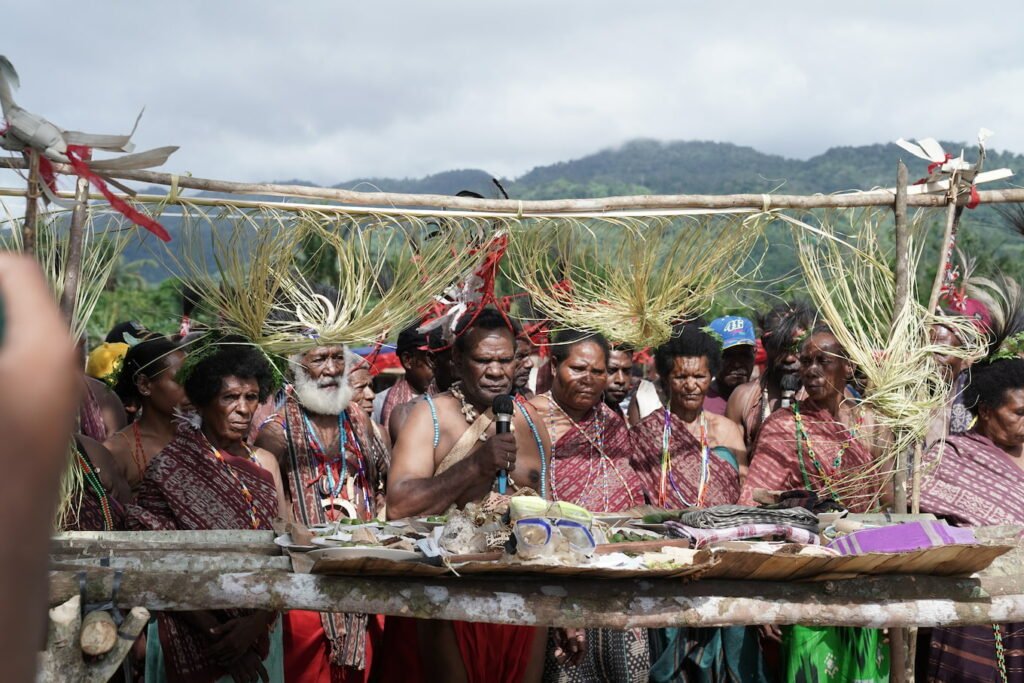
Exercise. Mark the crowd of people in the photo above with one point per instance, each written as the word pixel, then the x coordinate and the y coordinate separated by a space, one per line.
pixel 206 433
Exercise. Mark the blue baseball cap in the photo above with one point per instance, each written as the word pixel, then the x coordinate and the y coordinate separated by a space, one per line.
pixel 734 331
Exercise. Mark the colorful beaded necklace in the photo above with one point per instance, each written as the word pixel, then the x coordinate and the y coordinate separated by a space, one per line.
pixel 803 440
pixel 331 486
pixel 247 496
pixel 667 478
pixel 597 443
pixel 92 477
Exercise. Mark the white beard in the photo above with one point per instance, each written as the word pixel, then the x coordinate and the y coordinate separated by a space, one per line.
pixel 319 399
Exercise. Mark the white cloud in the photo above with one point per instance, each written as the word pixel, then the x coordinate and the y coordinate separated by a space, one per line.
pixel 331 91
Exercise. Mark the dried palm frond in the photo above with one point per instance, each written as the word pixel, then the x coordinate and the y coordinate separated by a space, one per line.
pixel 854 290
pixel 631 279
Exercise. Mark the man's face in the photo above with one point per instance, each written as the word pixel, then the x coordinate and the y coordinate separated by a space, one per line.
pixel 419 370
pixel 325 365
pixel 487 365
pixel 524 362
pixel 951 365
pixel 620 370
pixel 787 362
pixel 823 369
pixel 362 388
pixel 737 366
pixel 688 383
pixel 320 383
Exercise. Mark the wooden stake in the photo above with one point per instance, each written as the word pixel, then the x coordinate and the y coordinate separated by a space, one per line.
pixel 99 633
pixel 953 212
pixel 73 268
pixel 899 636
pixel 28 228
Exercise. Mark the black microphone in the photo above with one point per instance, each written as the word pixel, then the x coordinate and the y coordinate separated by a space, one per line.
pixel 502 407
pixel 789 384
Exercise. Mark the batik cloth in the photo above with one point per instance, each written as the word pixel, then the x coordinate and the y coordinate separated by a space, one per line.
pixel 345 633
pixel 591 464
pixel 187 488
pixel 973 482
pixel 611 657
pixel 834 655
pixel 833 462
pixel 683 477
pixel 730 654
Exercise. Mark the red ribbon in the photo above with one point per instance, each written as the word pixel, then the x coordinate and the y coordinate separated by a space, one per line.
pixel 975 198
pixel 79 155
pixel 938 164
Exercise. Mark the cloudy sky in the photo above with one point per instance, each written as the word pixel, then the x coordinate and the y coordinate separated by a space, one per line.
pixel 329 91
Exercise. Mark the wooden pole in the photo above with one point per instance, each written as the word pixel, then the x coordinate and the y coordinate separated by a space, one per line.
pixel 76 235
pixel 953 211
pixel 515 207
pixel 28 229
pixel 900 636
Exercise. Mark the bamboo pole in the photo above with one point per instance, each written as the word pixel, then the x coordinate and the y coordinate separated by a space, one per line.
pixel 510 206
pixel 28 228
pixel 73 268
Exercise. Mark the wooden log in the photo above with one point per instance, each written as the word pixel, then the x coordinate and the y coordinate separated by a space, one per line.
pixel 873 602
pixel 99 633
pixel 100 543
pixel 63 661
pixel 516 207
pixel 170 561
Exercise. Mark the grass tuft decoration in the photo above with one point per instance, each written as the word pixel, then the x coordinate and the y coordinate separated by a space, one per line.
pixel 630 279
pixel 853 287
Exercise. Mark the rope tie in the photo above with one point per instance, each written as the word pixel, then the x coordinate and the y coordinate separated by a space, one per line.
pixel 172 198
pixel 766 203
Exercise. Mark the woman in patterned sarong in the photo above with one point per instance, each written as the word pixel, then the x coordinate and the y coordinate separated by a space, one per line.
pixel 688 457
pixel 208 478
pixel 823 444
pixel 977 479
pixel 590 465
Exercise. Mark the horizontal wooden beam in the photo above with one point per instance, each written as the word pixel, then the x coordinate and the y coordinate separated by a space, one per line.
pixel 516 207
pixel 890 601
pixel 101 543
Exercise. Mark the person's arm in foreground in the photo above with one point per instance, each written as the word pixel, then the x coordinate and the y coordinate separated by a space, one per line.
pixel 38 404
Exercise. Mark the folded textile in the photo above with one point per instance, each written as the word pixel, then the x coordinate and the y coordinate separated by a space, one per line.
pixel 726 516
pixel 701 538
pixel 902 538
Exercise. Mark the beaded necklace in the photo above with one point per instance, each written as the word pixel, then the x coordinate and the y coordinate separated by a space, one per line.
pixel 667 478
pixel 92 477
pixel 347 442
pixel 521 402
pixel 138 452
pixel 802 440
pixel 247 496
pixel 597 443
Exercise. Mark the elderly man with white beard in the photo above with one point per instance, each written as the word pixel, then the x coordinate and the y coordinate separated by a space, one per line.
pixel 331 465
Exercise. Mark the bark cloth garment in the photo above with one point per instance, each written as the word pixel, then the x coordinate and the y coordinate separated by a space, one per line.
pixel 491 653
pixel 344 636
pixel 187 488
pixel 837 469
pixel 592 466
pixel 973 482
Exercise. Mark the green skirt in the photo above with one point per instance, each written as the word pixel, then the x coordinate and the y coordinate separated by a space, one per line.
pixel 834 655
